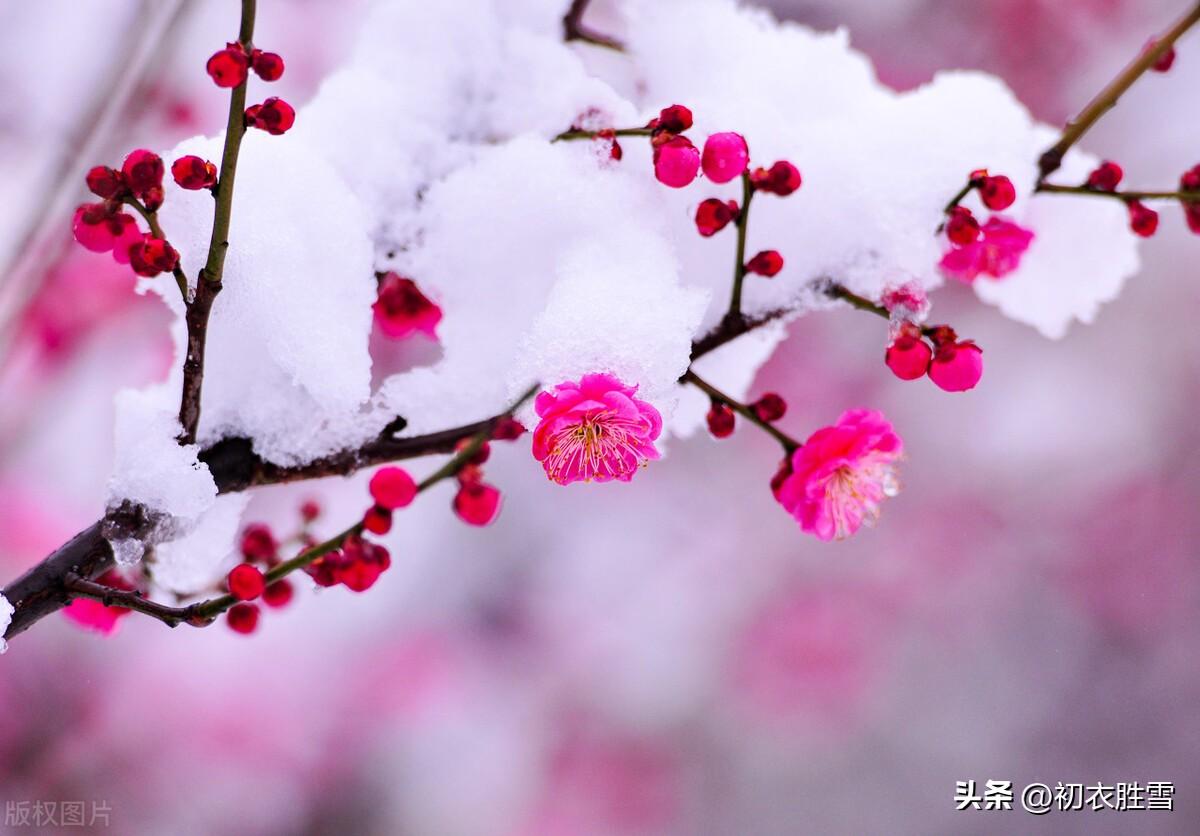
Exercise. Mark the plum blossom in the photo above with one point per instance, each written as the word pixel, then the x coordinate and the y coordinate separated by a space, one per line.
pixel 94 615
pixel 402 309
pixel 841 475
pixel 594 430
pixel 997 252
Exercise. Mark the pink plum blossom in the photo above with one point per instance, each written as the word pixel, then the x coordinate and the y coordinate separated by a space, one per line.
pixel 402 309
pixel 841 475
pixel 997 252
pixel 594 430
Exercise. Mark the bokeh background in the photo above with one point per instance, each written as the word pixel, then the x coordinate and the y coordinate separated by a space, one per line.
pixel 668 657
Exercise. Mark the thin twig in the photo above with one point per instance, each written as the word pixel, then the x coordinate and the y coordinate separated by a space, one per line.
pixel 1052 158
pixel 208 283
pixel 156 230
pixel 202 613
pixel 739 266
pixel 837 291
pixel 789 443
pixel 1125 196
pixel 575 30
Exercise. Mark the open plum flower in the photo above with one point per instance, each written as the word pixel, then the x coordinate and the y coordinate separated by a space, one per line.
pixel 594 430
pixel 996 253
pixel 836 482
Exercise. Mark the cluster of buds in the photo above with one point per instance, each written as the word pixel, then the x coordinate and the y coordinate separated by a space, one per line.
pixel 103 228
pixel 402 310
pixel 721 418
pixel 997 193
pixel 476 502
pixel 994 248
pixel 230 67
pixel 357 565
pixel 952 364
pixel 247 581
pixel 726 156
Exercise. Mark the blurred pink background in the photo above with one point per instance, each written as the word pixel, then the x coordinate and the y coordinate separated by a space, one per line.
pixel 1026 610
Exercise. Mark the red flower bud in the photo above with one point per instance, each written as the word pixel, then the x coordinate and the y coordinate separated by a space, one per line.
pixel 767 263
pixel 713 215
pixel 961 226
pixel 770 407
pixel 245 582
pixel 228 67
pixel 720 420
pixel 997 192
pixel 1142 219
pixel 267 65
pixel 275 116
pixel 1106 177
pixel 242 618
pixel 191 172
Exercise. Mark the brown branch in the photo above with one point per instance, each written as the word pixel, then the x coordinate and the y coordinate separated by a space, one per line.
pixel 1104 101
pixel 575 30
pixel 202 613
pixel 208 283
pixel 235 467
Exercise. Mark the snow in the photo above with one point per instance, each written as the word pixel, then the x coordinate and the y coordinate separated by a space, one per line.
pixel 6 612
pixel 428 153
pixel 150 467
pixel 286 362
pixel 192 561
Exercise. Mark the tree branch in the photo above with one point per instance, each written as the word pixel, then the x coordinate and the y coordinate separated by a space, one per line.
pixel 235 467
pixel 1104 101
pixel 575 30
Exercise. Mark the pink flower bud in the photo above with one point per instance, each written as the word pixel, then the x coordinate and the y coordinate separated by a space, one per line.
pixel 725 157
pixel 676 162
pixel 402 309
pixel 957 367
pixel 713 215
pixel 908 357
pixel 1142 219
pixel 392 488
pixel 998 192
pixel 477 503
